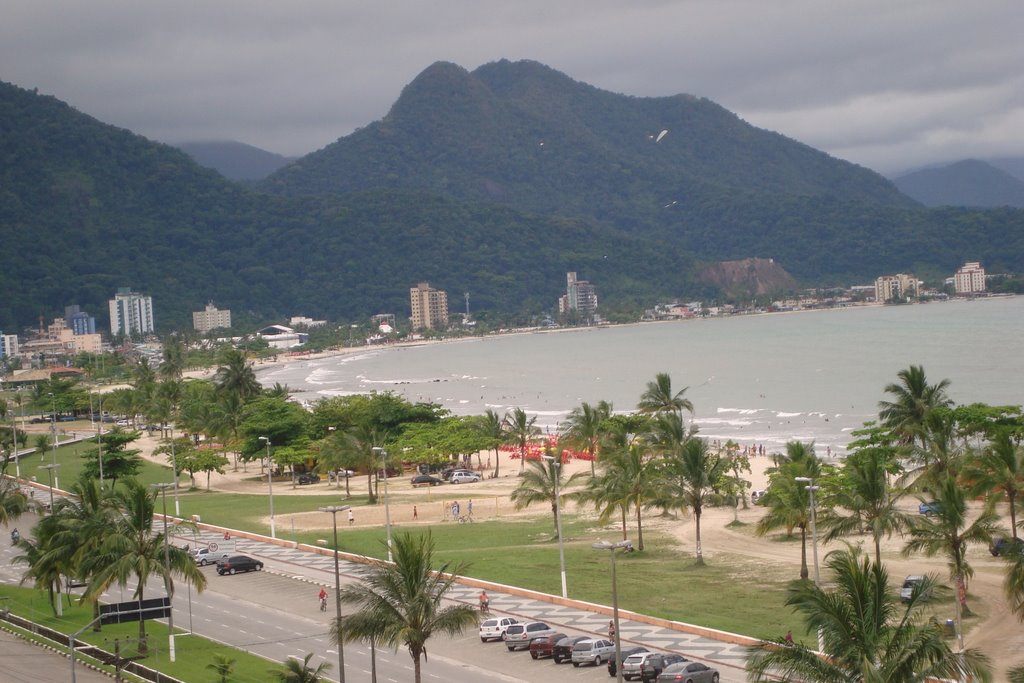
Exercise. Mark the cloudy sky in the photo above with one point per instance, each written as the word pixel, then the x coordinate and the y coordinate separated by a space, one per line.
pixel 889 84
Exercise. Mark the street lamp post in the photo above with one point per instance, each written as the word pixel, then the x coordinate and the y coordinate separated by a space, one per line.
pixel 53 428
pixel 612 547
pixel 814 525
pixel 270 486
pixel 162 488
pixel 52 471
pixel 99 442
pixel 14 432
pixel 334 510
pixel 387 511
pixel 556 463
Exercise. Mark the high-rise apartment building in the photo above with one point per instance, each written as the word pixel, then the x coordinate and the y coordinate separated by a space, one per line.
pixel 896 287
pixel 429 307
pixel 130 313
pixel 8 345
pixel 211 318
pixel 970 278
pixel 580 297
pixel 78 321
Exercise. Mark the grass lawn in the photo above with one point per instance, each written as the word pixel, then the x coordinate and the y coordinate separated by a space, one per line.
pixel 192 653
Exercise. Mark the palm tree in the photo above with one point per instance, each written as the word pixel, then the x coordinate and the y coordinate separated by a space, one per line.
pixel 947 533
pixel 693 474
pixel 222 666
pixel 539 484
pixel 912 399
pixel 583 429
pixel 296 671
pixel 658 397
pixel 520 429
pixel 13 502
pixel 47 564
pixel 236 376
pixel 866 495
pixel 867 635
pixel 400 603
pixel 788 500
pixel 173 359
pixel 998 472
pixel 492 427
pixel 1013 584
pixel 132 548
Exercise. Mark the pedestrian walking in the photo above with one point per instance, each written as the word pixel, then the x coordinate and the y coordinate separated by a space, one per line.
pixel 455 510
pixel 415 515
pixel 469 507
pixel 611 629
pixel 351 517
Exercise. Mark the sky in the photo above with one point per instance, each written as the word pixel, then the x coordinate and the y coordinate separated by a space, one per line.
pixel 888 84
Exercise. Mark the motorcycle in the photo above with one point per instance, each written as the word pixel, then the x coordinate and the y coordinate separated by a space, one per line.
pixel 15 537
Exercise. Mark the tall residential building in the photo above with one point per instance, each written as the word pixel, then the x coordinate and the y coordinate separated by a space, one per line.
pixel 9 345
pixel 429 307
pixel 78 321
pixel 896 287
pixel 580 297
pixel 211 318
pixel 970 278
pixel 130 313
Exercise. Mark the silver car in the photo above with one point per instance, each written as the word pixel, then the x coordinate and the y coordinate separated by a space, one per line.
pixel 592 651
pixel 205 556
pixel 518 636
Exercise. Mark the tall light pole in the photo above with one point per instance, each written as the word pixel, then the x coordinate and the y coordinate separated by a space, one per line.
pixel 814 524
pixel 53 427
pixel 52 471
pixel 270 486
pixel 612 547
pixel 334 510
pixel 174 467
pixel 162 488
pixel 387 511
pixel 99 442
pixel 557 465
pixel 17 463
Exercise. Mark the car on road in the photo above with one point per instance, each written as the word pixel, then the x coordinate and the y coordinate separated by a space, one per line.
pixel 689 672
pixel 494 629
pixel 464 477
pixel 592 651
pixel 205 556
pixel 626 653
pixel 544 646
pixel 308 478
pixel 425 480
pixel 1004 545
pixel 237 564
pixel 647 666
pixel 518 636
pixel 929 508
pixel 447 473
pixel 562 652
pixel 909 585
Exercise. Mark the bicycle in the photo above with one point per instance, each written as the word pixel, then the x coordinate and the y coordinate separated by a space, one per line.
pixel 465 518
pixel 323 604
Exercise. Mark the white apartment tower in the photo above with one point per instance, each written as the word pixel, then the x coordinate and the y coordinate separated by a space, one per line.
pixel 580 296
pixel 896 287
pixel 429 307
pixel 970 278
pixel 130 313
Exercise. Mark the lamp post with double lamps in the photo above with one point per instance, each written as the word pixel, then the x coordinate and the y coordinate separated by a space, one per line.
pixel 162 488
pixel 270 486
pixel 52 471
pixel 557 465
pixel 387 511
pixel 814 524
pixel 612 547
pixel 334 510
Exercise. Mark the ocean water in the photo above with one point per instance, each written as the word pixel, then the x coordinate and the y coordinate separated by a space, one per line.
pixel 764 379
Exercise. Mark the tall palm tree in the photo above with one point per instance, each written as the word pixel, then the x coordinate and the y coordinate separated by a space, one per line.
pixel 400 603
pixel 520 430
pixel 491 426
pixel 693 474
pixel 867 636
pixel 296 671
pixel 47 562
pixel 583 429
pixel 658 397
pixel 539 484
pixel 866 496
pixel 131 547
pixel 173 359
pixel 235 375
pixel 13 501
pixel 998 472
pixel 788 500
pixel 912 399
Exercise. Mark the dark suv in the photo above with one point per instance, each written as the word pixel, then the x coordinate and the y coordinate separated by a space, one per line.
pixel 308 478
pixel 238 563
pixel 1006 545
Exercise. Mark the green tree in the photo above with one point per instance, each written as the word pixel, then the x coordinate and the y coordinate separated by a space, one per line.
pixel 912 399
pixel 400 603
pixel 998 472
pixel 658 397
pixel 520 430
pixel 235 375
pixel 692 476
pixel 223 667
pixel 539 484
pixel 490 426
pixel 787 499
pixel 296 671
pixel 119 462
pixel 47 562
pixel 13 501
pixel 584 428
pixel 867 636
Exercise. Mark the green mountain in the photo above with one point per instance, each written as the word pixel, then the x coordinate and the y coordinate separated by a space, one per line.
pixel 234 160
pixel 454 187
pixel 964 183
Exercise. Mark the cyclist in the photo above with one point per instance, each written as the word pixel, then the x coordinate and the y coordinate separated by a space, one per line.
pixel 323 599
pixel 485 603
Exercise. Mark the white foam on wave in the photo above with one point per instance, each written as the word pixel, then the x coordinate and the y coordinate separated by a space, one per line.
pixel 494 405
pixel 788 414
pixel 741 411
pixel 337 392
pixel 723 421
pixel 402 380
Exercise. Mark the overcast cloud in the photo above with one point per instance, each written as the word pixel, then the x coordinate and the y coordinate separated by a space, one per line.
pixel 889 84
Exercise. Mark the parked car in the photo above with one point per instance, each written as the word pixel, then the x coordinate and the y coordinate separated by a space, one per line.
pixel 909 584
pixel 494 629
pixel 929 508
pixel 447 473
pixel 308 478
pixel 464 477
pixel 518 636
pixel 691 672
pixel 544 646
pixel 647 666
pixel 562 652
pixel 627 652
pixel 426 480
pixel 1003 545
pixel 205 556
pixel 592 651
pixel 238 563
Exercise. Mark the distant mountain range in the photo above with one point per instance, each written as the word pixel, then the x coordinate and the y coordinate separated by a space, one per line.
pixel 235 160
pixel 494 182
pixel 971 183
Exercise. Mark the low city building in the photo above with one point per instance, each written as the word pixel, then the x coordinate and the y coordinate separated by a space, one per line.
pixel 211 318
pixel 281 337
pixel 898 287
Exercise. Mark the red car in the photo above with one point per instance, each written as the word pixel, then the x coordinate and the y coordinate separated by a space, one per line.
pixel 544 646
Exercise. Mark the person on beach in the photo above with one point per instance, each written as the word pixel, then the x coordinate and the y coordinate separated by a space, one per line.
pixel 469 507
pixel 415 515
pixel 351 517
pixel 455 510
